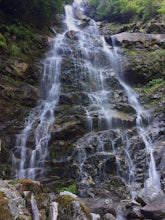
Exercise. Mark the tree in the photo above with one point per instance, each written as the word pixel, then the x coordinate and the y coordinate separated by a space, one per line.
pixel 126 10
pixel 34 10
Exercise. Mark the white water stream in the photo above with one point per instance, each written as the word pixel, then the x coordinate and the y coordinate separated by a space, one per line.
pixel 143 121
pixel 31 150
pixel 95 73
pixel 53 211
pixel 28 159
pixel 35 211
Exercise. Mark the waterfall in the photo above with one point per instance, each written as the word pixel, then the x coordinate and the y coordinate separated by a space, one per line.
pixel 35 211
pixel 31 150
pixel 143 121
pixel 53 211
pixel 100 113
pixel 101 117
pixel 97 73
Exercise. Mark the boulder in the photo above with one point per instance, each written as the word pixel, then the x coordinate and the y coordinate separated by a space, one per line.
pixel 149 194
pixel 109 216
pixel 140 38
pixel 154 210
pixel 156 28
pixel 72 35
pixel 69 207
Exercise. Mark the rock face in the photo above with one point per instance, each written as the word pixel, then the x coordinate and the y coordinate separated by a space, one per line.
pixel 139 37
pixel 24 199
pixel 19 92
pixel 95 146
pixel 98 160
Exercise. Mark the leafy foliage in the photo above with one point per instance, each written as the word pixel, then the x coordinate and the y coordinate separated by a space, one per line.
pixel 38 11
pixel 70 188
pixel 18 40
pixel 125 10
pixel 2 41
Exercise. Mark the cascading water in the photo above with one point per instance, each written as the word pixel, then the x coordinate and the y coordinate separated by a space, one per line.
pixel 53 211
pixel 28 160
pixel 97 74
pixel 100 113
pixel 143 121
pixel 100 110
pixel 35 211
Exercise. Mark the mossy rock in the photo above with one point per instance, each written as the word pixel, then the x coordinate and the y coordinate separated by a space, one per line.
pixel 140 68
pixel 71 208
pixel 29 185
pixel 4 210
pixel 43 201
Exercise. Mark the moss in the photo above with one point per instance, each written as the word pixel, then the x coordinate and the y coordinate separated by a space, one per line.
pixel 2 41
pixel 28 185
pixel 118 26
pixel 11 80
pixel 70 188
pixel 4 210
pixel 14 50
pixel 65 200
pixel 22 41
pixel 141 68
pixel 86 210
pixel 152 86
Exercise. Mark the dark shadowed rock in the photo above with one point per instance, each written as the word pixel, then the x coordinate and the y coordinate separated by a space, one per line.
pixel 154 210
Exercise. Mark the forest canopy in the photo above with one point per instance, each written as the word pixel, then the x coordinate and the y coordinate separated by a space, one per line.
pixel 34 10
pixel 126 10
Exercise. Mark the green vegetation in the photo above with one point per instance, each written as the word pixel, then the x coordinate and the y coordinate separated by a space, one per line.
pixel 39 12
pixel 70 188
pixel 162 8
pixel 123 11
pixel 2 41
pixel 18 40
pixel 152 85
pixel 21 41
pixel 22 26
pixel 153 94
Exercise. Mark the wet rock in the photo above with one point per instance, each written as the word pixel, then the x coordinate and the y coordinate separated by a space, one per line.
pixel 109 216
pixel 100 206
pixel 134 213
pixel 80 15
pixel 71 208
pixel 68 129
pixel 154 210
pixel 72 35
pixel 12 202
pixel 149 194
pixel 95 216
